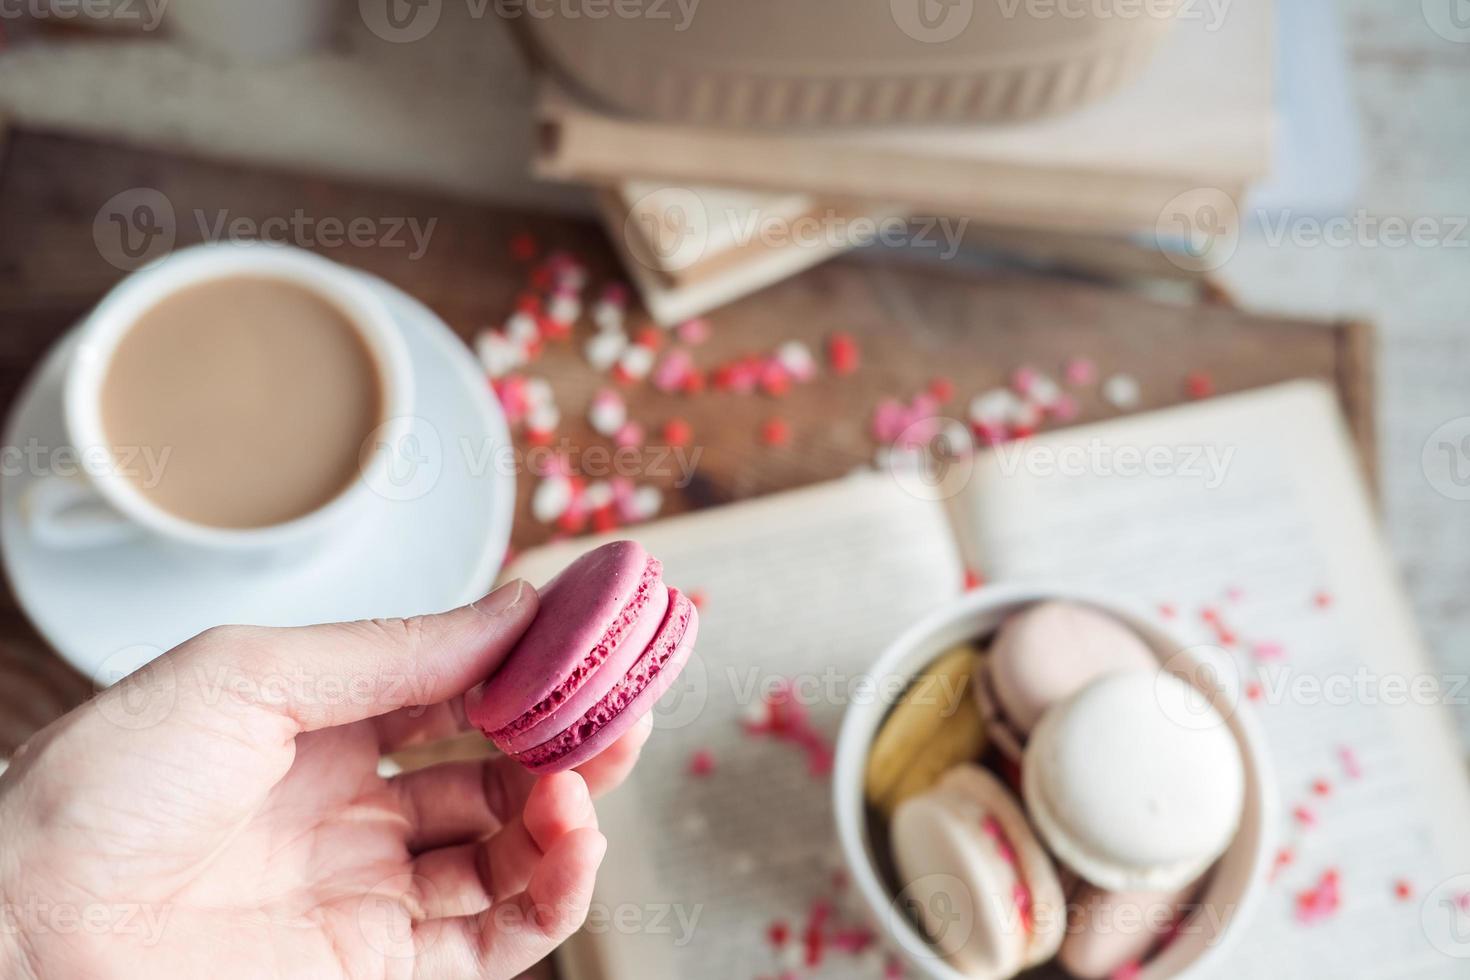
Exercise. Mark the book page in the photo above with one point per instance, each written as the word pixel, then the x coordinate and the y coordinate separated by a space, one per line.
pixel 1244 524
pixel 804 590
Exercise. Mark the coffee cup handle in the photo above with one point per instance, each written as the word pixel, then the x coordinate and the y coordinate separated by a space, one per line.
pixel 68 514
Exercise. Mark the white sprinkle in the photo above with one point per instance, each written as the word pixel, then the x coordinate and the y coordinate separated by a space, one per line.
pixel 538 392
pixel 498 356
pixel 607 413
pixel 604 349
pixel 598 495
pixel 543 418
pixel 1044 391
pixel 609 316
pixel 522 329
pixel 552 498
pixel 1025 415
pixel 647 502
pixel 797 359
pixel 387 768
pixel 957 438
pixel 564 308
pixel 636 362
pixel 1121 391
pixel 993 407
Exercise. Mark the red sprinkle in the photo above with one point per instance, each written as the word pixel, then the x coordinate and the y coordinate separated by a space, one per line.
pixel 942 389
pixel 1403 890
pixel 1304 816
pixel 702 763
pixel 650 337
pixel 1322 600
pixel 678 432
pixel 698 597
pixel 1322 788
pixel 1284 857
pixel 523 247
pixel 1320 901
pixel 775 432
pixel 1199 385
pixel 1253 691
pixel 778 934
pixel 842 353
pixel 1349 760
pixel 973 580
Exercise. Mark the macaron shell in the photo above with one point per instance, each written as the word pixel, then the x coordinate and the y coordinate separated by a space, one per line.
pixel 957 885
pixel 960 878
pixel 983 792
pixel 1049 651
pixel 629 700
pixel 633 644
pixel 998 728
pixel 577 610
pixel 1109 930
pixel 1135 783
pixel 933 726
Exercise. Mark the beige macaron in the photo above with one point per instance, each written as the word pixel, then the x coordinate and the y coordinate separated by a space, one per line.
pixel 983 887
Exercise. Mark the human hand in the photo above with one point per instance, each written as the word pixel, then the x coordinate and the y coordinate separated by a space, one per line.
pixel 219 814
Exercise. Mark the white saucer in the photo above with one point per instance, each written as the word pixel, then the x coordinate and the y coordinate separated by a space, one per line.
pixel 438 545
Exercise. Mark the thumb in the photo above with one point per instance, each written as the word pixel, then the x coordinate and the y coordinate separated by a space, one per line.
pixel 337 673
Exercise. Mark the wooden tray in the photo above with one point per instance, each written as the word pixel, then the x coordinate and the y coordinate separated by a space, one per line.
pixel 913 323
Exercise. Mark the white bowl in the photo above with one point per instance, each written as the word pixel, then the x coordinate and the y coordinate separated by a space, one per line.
pixel 1238 878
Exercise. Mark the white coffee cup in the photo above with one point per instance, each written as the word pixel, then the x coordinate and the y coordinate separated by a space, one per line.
pixel 1238 880
pixel 101 505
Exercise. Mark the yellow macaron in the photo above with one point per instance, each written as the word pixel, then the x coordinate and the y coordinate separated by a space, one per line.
pixel 935 725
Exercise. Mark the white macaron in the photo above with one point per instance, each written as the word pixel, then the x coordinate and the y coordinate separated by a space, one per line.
pixel 983 886
pixel 1135 782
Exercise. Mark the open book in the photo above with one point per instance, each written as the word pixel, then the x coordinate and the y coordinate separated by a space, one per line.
pixel 1250 506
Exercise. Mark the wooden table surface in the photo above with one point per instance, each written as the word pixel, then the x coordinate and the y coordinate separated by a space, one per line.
pixel 912 323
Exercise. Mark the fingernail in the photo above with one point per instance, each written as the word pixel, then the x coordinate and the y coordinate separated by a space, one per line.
pixel 503 599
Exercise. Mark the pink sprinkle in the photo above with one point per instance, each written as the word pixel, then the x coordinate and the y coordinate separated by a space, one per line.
pixel 631 434
pixel 1349 760
pixel 1063 408
pixel 1462 902
pixel 1167 610
pixel 1322 600
pixel 1319 902
pixel 670 373
pixel 1268 651
pixel 1284 857
pixel 1322 788
pixel 694 332
pixel 1304 816
pixel 1079 371
pixel 1254 692
pixel 893 970
pixel 1403 890
pixel 702 763
pixel 888 420
pixel 1022 379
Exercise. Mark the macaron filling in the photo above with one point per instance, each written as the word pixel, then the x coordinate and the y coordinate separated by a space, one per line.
pixel 667 642
pixel 1020 892
pixel 623 624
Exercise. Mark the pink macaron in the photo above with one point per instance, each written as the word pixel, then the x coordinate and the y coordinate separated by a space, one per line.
pixel 608 640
